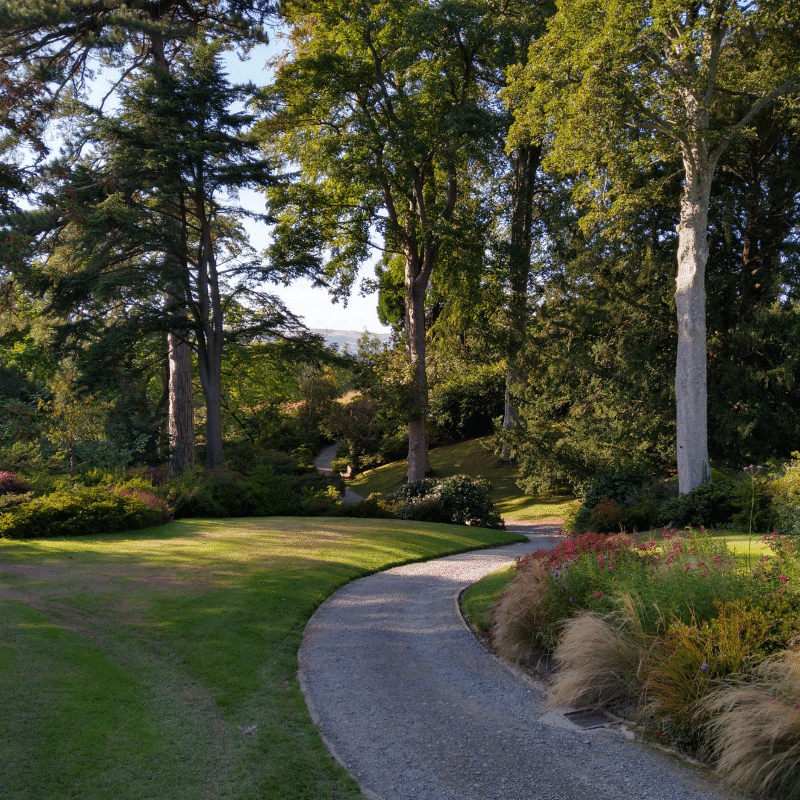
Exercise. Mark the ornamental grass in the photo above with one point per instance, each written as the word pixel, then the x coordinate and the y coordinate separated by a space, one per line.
pixel 697 644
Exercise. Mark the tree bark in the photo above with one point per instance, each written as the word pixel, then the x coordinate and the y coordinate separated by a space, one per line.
pixel 418 465
pixel 690 302
pixel 210 343
pixel 180 418
pixel 525 164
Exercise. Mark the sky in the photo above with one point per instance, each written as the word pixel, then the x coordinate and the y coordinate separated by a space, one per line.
pixel 312 304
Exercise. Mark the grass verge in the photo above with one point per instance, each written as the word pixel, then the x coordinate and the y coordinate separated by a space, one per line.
pixel 473 458
pixel 477 602
pixel 162 664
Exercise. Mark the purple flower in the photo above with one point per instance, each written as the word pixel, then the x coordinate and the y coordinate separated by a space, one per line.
pixel 704 667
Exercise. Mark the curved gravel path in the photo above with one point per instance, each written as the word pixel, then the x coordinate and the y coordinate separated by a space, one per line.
pixel 416 709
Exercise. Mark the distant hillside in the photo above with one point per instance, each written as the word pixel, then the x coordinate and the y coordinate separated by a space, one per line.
pixel 348 338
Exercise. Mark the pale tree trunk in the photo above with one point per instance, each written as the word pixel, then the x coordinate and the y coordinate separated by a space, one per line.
pixel 525 164
pixel 418 465
pixel 690 302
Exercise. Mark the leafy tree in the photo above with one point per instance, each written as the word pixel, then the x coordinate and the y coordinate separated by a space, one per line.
pixel 378 107
pixel 633 81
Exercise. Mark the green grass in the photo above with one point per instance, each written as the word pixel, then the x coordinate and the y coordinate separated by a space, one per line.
pixel 162 664
pixel 472 458
pixel 478 600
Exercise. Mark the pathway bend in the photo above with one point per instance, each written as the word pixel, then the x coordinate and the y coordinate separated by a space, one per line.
pixel 416 709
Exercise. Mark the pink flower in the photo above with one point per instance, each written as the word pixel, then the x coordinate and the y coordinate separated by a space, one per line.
pixel 598 594
pixel 783 579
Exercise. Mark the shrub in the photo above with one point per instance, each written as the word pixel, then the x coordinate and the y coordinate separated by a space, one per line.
pixel 606 516
pixel 79 512
pixel 373 507
pixel 784 491
pixel 708 504
pixel 459 500
pixel 622 485
pixel 11 483
pixel 271 494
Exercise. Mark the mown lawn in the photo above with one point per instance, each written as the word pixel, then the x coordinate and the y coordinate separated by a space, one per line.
pixel 162 664
pixel 472 458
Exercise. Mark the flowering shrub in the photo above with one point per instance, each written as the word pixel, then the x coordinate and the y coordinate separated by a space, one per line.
pixel 657 628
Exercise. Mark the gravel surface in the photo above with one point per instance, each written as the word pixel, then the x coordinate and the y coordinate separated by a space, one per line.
pixel 416 708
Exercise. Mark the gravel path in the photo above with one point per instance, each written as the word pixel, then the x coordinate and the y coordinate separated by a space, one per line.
pixel 416 709
pixel 323 462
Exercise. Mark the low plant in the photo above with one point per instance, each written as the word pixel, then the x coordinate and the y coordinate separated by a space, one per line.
pixel 525 615
pixel 784 491
pixel 459 500
pixel 602 659
pixel 78 512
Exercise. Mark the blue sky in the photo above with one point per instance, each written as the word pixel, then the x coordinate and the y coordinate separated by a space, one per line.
pixel 314 305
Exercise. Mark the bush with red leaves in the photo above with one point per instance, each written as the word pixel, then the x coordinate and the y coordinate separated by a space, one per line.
pixel 11 483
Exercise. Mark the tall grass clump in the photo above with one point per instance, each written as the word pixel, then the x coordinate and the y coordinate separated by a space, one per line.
pixel 602 659
pixel 754 727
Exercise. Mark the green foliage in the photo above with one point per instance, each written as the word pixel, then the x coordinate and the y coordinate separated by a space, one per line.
pixel 784 491
pixel 81 512
pixel 459 500
pixel 709 504
pixel 466 405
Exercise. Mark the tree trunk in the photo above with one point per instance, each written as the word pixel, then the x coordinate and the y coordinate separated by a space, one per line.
pixel 180 419
pixel 210 344
pixel 525 163
pixel 418 465
pixel 690 302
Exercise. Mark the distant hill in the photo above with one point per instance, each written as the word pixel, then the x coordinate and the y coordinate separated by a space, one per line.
pixel 348 338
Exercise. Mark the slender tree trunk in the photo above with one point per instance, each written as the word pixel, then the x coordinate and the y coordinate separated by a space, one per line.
pixel 525 163
pixel 180 418
pixel 418 465
pixel 210 345
pixel 690 302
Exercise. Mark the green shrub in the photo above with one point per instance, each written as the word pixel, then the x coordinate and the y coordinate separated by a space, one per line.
pixel 78 512
pixel 784 491
pixel 272 494
pixel 606 516
pixel 709 505
pixel 459 500
pixel 622 485
pixel 373 507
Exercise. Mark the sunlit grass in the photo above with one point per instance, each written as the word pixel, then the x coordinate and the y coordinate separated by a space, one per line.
pixel 162 664
pixel 472 458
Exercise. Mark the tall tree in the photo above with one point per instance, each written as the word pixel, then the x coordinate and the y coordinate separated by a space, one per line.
pixel 654 79
pixel 50 51
pixel 378 106
pixel 150 215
